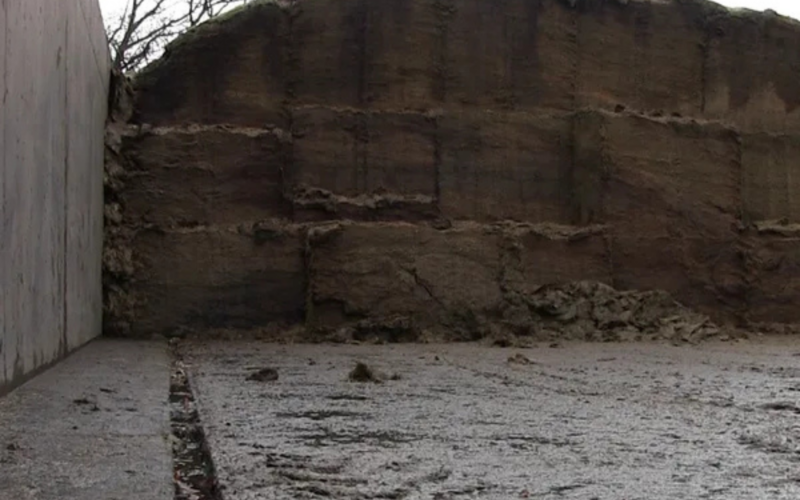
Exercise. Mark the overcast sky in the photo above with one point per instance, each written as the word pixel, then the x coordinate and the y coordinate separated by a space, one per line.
pixel 785 7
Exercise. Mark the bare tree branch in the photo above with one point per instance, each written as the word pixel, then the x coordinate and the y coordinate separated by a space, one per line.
pixel 140 32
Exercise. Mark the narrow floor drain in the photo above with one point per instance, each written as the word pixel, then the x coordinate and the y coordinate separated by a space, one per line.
pixel 194 476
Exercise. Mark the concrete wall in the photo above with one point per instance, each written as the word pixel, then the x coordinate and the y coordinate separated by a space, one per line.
pixel 54 67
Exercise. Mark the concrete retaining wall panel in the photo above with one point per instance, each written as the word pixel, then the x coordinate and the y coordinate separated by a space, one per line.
pixel 84 183
pixel 52 120
pixel 31 118
pixel 4 283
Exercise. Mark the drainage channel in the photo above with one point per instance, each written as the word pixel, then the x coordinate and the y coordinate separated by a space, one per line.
pixel 194 475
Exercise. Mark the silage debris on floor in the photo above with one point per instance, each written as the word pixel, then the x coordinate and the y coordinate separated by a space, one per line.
pixel 597 312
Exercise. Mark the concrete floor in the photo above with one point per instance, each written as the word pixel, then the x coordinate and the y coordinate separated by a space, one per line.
pixel 583 421
pixel 95 427
pixel 608 421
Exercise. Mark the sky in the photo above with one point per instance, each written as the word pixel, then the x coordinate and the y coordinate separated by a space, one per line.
pixel 786 7
pixel 789 8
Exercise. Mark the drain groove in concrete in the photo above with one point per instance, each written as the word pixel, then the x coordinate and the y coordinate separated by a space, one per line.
pixel 195 475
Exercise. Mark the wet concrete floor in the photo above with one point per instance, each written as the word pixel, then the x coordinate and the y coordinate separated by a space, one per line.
pixel 94 427
pixel 582 421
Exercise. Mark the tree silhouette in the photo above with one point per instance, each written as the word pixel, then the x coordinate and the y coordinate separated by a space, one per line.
pixel 141 31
